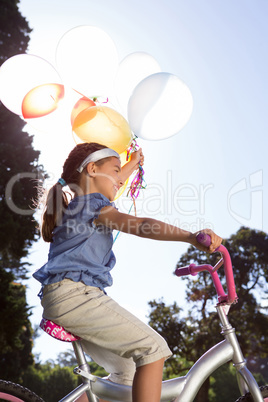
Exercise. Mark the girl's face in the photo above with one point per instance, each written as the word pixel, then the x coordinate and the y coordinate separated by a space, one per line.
pixel 107 180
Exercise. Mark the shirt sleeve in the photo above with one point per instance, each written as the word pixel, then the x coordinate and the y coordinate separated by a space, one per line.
pixel 99 202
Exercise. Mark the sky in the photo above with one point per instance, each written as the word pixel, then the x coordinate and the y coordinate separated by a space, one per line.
pixel 213 173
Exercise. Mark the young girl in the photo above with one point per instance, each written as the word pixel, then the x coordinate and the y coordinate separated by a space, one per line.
pixel 79 264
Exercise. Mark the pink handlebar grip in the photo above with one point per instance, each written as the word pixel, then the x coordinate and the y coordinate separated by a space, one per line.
pixel 182 271
pixel 204 239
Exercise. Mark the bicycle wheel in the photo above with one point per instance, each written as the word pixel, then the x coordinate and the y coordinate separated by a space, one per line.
pixel 248 398
pixel 16 393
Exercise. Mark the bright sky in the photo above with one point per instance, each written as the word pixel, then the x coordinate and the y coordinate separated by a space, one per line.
pixel 211 174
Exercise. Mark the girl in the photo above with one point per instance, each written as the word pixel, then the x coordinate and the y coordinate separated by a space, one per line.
pixel 79 264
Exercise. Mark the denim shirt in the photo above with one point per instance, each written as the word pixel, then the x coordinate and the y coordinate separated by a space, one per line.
pixel 80 251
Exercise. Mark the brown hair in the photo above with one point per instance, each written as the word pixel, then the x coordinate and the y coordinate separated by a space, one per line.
pixel 57 199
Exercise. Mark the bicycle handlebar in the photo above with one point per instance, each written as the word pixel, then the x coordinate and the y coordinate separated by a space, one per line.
pixel 193 269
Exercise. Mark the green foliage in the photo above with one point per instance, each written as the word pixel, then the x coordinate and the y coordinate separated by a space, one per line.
pixel 226 375
pixel 53 381
pixel 14 30
pixel 259 365
pixel 67 359
pixel 166 321
pixel 16 331
pixel 18 172
pixel 97 370
pixel 224 386
pixel 50 382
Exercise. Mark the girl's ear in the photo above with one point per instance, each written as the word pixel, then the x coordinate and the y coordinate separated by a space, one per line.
pixel 91 169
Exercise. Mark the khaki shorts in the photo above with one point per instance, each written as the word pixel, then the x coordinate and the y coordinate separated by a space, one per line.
pixel 114 338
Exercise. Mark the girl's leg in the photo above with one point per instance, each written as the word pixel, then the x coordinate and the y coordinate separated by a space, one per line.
pixel 83 398
pixel 147 382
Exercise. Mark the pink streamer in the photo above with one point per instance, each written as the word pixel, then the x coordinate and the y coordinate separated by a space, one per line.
pixel 138 182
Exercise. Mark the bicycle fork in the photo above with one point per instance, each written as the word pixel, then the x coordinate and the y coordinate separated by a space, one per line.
pixel 246 381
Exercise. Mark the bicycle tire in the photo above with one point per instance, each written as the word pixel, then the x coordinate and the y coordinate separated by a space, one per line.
pixel 12 392
pixel 248 398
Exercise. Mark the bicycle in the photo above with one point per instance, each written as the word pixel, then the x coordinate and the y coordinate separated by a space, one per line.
pixel 180 389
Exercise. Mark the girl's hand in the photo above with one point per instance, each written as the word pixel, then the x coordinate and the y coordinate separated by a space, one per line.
pixel 138 158
pixel 215 241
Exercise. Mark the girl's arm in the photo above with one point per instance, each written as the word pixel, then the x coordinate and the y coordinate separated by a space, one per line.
pixel 153 229
pixel 136 159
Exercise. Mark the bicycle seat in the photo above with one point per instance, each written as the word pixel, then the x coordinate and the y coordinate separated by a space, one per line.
pixel 57 332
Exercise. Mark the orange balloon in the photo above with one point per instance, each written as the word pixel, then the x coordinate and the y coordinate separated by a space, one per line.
pixel 42 100
pixel 105 126
pixel 81 104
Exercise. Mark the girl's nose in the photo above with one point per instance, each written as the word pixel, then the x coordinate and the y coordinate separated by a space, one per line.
pixel 120 182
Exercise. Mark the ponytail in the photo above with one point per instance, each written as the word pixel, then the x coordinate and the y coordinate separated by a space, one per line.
pixel 56 203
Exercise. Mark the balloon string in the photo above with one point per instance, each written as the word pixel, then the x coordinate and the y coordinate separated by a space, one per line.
pixel 117 234
pixel 138 182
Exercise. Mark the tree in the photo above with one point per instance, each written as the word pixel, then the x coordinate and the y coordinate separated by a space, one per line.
pixel 50 382
pixel 14 30
pixel 18 167
pixel 68 359
pixel 53 381
pixel 167 322
pixel 199 330
pixel 18 173
pixel 16 331
pixel 17 156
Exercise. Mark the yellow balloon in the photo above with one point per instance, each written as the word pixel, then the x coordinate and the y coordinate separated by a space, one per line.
pixel 105 126
pixel 121 191
pixel 123 159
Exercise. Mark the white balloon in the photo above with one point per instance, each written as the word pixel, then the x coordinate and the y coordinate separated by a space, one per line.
pixel 159 107
pixel 21 73
pixel 87 61
pixel 132 70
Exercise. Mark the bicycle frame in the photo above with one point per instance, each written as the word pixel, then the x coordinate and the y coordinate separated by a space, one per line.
pixel 185 388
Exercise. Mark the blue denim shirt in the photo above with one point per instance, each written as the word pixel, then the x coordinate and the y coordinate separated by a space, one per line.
pixel 80 251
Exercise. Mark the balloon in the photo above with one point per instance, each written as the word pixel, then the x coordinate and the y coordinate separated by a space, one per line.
pixel 59 120
pixel 21 73
pixel 103 125
pixel 42 100
pixel 87 60
pixel 159 107
pixel 80 105
pixel 77 140
pixel 132 70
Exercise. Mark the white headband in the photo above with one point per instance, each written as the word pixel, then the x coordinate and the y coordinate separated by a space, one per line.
pixel 96 156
